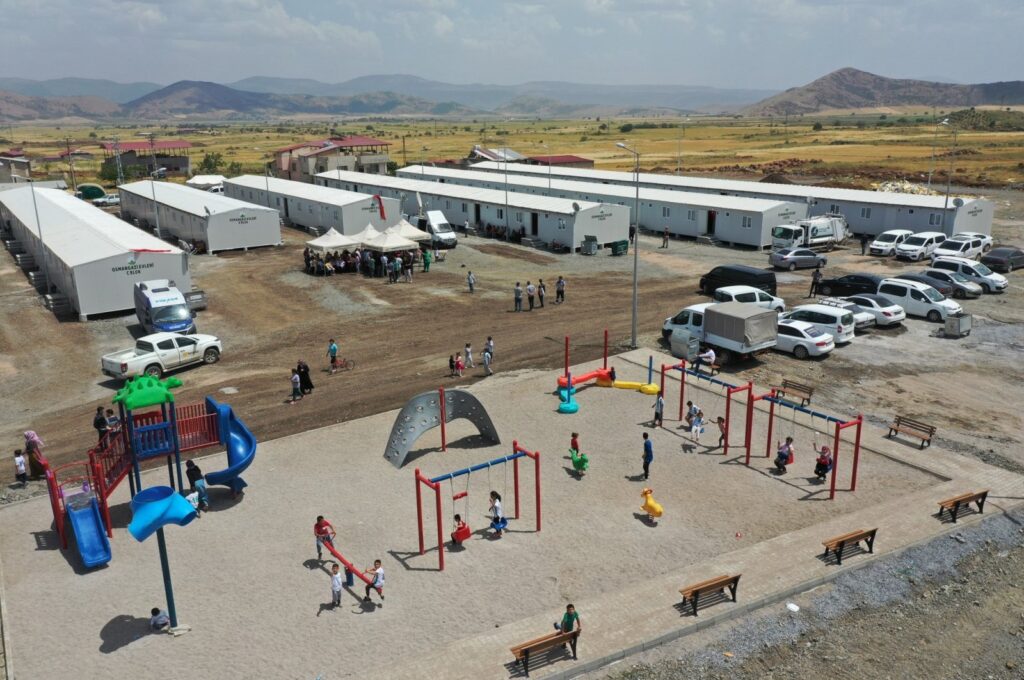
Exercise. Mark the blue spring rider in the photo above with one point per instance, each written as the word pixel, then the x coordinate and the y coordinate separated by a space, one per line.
pixel 565 394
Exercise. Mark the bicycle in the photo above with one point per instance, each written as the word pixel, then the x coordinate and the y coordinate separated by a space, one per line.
pixel 343 364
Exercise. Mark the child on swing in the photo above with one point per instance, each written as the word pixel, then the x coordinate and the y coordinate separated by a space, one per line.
pixel 498 521
pixel 461 529
pixel 823 464
pixel 784 456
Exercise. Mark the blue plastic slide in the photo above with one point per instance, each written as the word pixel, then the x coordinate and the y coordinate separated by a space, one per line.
pixel 156 507
pixel 87 524
pixel 240 444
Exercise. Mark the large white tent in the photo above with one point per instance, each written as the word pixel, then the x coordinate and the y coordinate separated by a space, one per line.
pixel 367 234
pixel 387 243
pixel 332 240
pixel 88 255
pixel 406 230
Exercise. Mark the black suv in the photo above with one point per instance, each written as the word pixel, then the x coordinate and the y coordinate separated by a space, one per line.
pixel 737 275
pixel 851 284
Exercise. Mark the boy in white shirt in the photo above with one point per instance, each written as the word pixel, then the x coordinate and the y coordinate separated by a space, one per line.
pixel 20 473
pixel 378 581
pixel 336 586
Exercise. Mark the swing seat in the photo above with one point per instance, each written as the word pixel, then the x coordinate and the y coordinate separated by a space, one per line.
pixel 500 524
pixel 462 534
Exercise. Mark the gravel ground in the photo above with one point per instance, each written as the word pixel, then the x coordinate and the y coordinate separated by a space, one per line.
pixel 950 608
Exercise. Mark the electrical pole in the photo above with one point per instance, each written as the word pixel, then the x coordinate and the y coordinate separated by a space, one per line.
pixel 152 183
pixel 71 163
pixel 116 143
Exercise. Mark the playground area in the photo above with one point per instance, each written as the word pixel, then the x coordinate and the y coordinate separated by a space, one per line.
pixel 247 582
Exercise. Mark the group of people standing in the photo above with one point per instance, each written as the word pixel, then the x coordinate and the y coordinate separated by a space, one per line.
pixel 396 266
pixel 457 364
pixel 535 294
pixel 29 461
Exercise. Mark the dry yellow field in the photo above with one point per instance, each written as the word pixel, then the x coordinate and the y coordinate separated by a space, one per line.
pixel 851 147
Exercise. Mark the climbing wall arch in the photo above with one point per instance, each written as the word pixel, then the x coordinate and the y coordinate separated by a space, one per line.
pixel 425 412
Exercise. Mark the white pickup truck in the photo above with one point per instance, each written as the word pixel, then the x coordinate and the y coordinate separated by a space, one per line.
pixel 735 330
pixel 159 353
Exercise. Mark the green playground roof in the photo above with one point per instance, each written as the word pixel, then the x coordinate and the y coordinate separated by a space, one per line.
pixel 146 391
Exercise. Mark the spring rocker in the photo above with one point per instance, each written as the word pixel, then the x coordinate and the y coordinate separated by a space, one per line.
pixel 602 377
pixel 650 506
pixel 580 461
pixel 462 535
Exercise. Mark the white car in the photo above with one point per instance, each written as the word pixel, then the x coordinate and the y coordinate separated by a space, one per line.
pixel 986 240
pixel 802 339
pixel 989 281
pixel 919 246
pixel 918 299
pixel 971 248
pixel 832 320
pixel 750 294
pixel 158 353
pixel 885 243
pixel 862 320
pixel 885 311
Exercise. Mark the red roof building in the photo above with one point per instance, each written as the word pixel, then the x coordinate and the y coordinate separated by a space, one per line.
pixel 145 146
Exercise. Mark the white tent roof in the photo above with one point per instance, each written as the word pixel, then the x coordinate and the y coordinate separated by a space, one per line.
pixel 367 234
pixel 406 230
pixel 206 180
pixel 332 240
pixel 388 242
pixel 76 232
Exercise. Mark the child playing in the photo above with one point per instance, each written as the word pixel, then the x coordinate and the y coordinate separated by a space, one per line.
pixel 469 355
pixel 451 365
pixel 296 387
pixel 336 585
pixel 198 483
pixel 497 516
pixel 823 464
pixel 697 425
pixel 20 471
pixel 378 581
pixel 721 430
pixel 659 411
pixel 460 528
pixel 459 365
pixel 324 532
pixel 784 456
pixel 574 441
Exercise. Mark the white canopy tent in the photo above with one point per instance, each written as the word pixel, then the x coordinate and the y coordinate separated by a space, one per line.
pixel 367 234
pixel 205 182
pixel 387 243
pixel 332 240
pixel 406 230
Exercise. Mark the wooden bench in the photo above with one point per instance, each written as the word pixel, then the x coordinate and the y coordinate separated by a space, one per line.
pixel 712 585
pixel 913 428
pixel 962 501
pixel 838 544
pixel 795 389
pixel 542 644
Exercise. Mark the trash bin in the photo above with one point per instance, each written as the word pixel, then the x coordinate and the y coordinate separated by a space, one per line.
pixel 958 325
pixel 589 245
pixel 620 247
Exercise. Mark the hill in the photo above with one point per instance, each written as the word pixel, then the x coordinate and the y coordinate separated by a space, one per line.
pixel 849 88
pixel 78 87
pixel 19 107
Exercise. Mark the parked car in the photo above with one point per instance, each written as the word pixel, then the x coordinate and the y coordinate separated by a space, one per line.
pixel 886 312
pixel 159 353
pixel 989 281
pixel 918 299
pixel 942 286
pixel 737 274
pixel 851 284
pixel 1004 259
pixel 986 240
pixel 919 246
pixel 802 339
pixel 959 247
pixel 108 200
pixel 962 286
pixel 796 258
pixel 885 243
pixel 862 320
pixel 836 322
pixel 750 294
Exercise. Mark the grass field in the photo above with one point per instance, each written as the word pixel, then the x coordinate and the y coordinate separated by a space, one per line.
pixel 855 148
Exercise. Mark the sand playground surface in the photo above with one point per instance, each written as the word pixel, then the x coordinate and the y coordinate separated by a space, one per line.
pixel 247 582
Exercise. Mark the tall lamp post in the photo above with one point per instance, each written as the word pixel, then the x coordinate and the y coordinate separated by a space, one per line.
pixel 636 239
pixel 949 175
pixel 935 140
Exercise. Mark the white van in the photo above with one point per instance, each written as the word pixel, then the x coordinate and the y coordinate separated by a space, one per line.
pixel 918 299
pixel 885 243
pixel 970 248
pixel 436 224
pixel 919 246
pixel 989 281
pixel 835 321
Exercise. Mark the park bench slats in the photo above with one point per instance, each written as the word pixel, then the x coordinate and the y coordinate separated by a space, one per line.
pixel 964 500
pixel 912 428
pixel 545 642
pixel 712 585
pixel 837 544
pixel 795 389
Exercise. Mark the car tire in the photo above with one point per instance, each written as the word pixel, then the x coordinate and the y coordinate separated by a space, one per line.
pixel 792 266
pixel 800 352
pixel 986 289
pixel 825 290
pixel 724 357
pixel 211 356
pixel 154 371
pixel 1009 267
pixel 934 316
pixel 958 294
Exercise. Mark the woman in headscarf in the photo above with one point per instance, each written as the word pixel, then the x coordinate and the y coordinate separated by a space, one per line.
pixel 34 451
pixel 305 382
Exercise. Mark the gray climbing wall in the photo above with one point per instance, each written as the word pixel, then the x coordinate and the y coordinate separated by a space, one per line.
pixel 423 412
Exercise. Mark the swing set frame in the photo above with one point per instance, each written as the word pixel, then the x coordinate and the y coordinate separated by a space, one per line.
pixel 434 483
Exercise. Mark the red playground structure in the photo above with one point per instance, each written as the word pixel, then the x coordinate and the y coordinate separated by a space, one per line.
pixel 435 484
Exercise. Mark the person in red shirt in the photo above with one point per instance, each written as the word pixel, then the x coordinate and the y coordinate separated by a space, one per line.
pixel 324 532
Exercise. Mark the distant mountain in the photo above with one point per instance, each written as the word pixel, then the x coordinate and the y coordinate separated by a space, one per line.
pixel 849 88
pixel 78 87
pixel 495 97
pixel 19 107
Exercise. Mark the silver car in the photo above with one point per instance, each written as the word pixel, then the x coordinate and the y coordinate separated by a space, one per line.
pixel 796 258
pixel 963 287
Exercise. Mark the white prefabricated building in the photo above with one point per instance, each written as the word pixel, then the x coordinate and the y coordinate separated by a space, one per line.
pixel 867 212
pixel 544 218
pixel 733 219
pixel 315 208
pixel 90 256
pixel 218 222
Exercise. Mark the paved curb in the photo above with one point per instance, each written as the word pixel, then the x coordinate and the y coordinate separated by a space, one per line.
pixel 7 669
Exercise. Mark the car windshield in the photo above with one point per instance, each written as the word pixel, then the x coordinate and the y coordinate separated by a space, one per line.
pixel 886 238
pixel 443 228
pixel 914 241
pixel 933 294
pixel 171 313
pixel 981 269
pixel 782 232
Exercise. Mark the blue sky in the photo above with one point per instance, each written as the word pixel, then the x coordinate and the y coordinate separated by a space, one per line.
pixel 727 43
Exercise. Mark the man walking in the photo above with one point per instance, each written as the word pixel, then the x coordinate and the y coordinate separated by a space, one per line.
pixel 815 280
pixel 632 233
pixel 531 291
pixel 517 294
pixel 664 238
pixel 648 455
pixel 470 281
pixel 559 291
pixel 863 244
pixel 541 292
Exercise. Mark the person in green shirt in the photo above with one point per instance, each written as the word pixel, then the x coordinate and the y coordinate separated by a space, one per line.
pixel 426 260
pixel 570 620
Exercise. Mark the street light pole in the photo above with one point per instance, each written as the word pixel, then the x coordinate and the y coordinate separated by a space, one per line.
pixel 636 239
pixel 935 140
pixel 949 178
